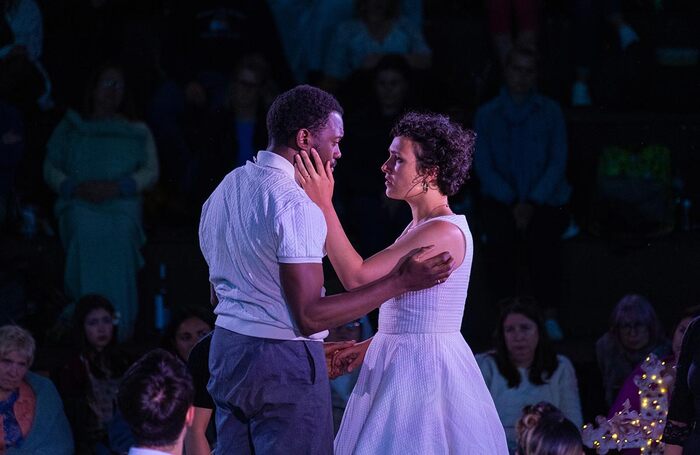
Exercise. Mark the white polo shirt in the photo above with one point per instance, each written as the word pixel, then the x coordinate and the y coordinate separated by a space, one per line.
pixel 257 218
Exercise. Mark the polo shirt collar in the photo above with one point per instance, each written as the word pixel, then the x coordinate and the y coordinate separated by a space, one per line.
pixel 273 160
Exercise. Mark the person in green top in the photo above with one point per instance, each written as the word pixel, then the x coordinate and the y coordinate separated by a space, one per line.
pixel 99 163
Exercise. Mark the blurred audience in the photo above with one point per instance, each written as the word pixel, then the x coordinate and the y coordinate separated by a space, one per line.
pixel 186 328
pixel 634 332
pixel 11 150
pixel 21 45
pixel 99 162
pixel 388 95
pixel 31 412
pixel 508 15
pixel 155 398
pixel 89 381
pixel 544 430
pixel 521 166
pixel 524 369
pixel 377 30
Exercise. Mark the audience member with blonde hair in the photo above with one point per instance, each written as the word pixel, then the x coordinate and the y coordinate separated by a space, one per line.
pixel 31 413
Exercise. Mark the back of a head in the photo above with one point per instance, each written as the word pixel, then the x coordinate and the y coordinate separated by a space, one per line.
pixel 302 107
pixel 154 397
pixel 543 430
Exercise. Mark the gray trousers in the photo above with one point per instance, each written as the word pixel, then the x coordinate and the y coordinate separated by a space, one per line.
pixel 272 396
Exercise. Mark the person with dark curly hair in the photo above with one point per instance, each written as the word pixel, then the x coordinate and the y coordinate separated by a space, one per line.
pixel 263 239
pixel 420 389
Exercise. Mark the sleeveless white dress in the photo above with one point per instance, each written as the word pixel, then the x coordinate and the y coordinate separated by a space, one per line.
pixel 420 390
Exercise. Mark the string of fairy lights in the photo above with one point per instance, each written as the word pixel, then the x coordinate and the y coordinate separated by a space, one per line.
pixel 630 429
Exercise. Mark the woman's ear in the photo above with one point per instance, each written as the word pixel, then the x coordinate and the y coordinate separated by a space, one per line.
pixel 303 139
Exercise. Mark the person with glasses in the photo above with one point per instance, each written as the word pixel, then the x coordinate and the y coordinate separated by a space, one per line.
pixel 89 381
pixel 99 163
pixel 630 391
pixel 635 331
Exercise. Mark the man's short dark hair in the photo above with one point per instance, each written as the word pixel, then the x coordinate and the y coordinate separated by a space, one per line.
pixel 303 106
pixel 154 397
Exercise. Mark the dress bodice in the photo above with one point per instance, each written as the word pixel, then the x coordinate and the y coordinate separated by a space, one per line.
pixel 436 309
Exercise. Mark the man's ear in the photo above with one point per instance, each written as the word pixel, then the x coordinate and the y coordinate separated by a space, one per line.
pixel 189 417
pixel 303 139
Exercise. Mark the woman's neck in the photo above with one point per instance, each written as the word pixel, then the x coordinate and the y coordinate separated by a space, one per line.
pixel 428 207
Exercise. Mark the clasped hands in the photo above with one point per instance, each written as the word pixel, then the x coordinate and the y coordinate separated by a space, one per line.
pixel 343 357
pixel 97 191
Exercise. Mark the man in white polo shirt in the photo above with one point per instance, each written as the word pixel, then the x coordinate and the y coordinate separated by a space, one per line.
pixel 263 240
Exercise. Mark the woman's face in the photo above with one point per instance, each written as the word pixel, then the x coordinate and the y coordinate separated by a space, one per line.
pixel 401 170
pixel 99 328
pixel 678 335
pixel 109 91
pixel 13 367
pixel 521 336
pixel 634 335
pixel 190 331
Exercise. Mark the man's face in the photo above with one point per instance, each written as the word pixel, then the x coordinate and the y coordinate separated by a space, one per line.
pixel 326 141
pixel 521 74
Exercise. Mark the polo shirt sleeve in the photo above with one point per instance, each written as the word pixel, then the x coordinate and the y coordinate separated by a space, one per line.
pixel 301 234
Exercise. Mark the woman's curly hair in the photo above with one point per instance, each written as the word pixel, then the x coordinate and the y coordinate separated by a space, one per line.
pixel 445 147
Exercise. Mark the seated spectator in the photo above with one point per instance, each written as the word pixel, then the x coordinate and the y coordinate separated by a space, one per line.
pixel 31 412
pixel 186 328
pixel 544 430
pixel 635 331
pixel 89 381
pixel 521 165
pixel 155 399
pixel 524 369
pixel 378 30
pixel 99 163
pixel 630 392
pixel 342 386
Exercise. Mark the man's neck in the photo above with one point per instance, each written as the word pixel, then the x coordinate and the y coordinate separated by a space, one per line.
pixel 175 449
pixel 285 152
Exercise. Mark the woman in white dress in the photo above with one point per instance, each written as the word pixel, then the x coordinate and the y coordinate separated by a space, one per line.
pixel 420 390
